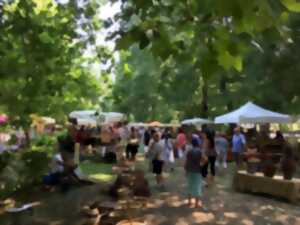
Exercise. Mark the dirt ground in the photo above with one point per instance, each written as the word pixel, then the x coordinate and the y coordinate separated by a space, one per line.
pixel 224 205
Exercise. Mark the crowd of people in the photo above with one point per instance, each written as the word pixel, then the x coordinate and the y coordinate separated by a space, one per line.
pixel 202 153
pixel 199 152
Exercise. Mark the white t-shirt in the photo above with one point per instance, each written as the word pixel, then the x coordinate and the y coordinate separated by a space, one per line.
pixel 156 150
pixel 56 166
pixel 124 135
pixel 168 149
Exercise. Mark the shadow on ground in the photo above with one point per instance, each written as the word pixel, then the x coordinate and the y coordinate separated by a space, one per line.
pixel 224 205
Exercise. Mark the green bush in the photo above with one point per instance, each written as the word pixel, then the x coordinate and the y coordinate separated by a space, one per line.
pixel 44 140
pixel 10 179
pixel 61 135
pixel 5 158
pixel 13 140
pixel 21 169
pixel 36 164
pixel 26 167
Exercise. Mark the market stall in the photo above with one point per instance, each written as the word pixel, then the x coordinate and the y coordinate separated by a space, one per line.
pixel 264 155
pixel 197 122
pixel 96 125
pixel 97 118
pixel 251 113
pixel 43 124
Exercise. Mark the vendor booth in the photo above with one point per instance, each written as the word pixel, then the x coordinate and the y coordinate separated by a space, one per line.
pixel 96 129
pixel 97 118
pixel 43 124
pixel 196 121
pixel 251 113
pixel 264 155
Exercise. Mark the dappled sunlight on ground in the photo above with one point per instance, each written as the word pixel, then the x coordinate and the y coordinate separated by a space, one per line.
pixel 230 214
pixel 247 222
pixel 201 217
pixel 155 219
pixel 59 222
pixel 169 207
pixel 181 221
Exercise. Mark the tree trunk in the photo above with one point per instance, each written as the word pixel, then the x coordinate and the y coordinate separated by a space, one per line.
pixel 27 138
pixel 224 92
pixel 229 105
pixel 204 103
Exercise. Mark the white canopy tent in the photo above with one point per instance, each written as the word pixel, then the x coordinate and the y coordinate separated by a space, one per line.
pixel 251 113
pixel 82 114
pixel 86 122
pixel 92 117
pixel 138 124
pixel 112 117
pixel 196 121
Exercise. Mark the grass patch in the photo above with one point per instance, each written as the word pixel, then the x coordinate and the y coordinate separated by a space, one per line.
pixel 98 172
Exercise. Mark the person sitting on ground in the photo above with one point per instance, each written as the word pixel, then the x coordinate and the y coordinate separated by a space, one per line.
pixel 62 166
pixel 56 171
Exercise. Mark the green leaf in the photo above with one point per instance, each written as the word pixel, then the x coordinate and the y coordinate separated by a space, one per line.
pixel 135 20
pixel 124 42
pixel 291 5
pixel 228 61
pixel 45 38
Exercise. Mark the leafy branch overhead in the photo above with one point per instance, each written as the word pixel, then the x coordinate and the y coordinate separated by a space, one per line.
pixel 207 53
pixel 194 30
pixel 42 67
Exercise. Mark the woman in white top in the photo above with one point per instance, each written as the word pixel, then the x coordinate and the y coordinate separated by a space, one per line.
pixel 168 152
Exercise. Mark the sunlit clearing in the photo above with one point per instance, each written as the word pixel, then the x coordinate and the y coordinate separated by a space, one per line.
pixel 200 217
pixel 102 177
pixel 58 222
pixel 247 222
pixel 182 221
pixel 97 171
pixel 230 215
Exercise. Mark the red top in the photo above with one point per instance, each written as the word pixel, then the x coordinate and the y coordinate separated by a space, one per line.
pixel 180 141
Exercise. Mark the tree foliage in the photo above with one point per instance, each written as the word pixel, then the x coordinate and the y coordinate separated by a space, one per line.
pixel 136 89
pixel 214 55
pixel 42 67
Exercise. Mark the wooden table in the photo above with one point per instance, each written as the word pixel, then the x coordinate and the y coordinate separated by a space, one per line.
pixel 276 186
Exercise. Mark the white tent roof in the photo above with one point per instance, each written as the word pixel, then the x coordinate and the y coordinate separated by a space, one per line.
pixel 86 122
pixel 196 121
pixel 92 115
pixel 83 114
pixel 251 113
pixel 112 117
pixel 137 124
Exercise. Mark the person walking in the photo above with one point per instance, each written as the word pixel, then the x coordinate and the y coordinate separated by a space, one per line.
pixel 193 163
pixel 238 146
pixel 221 145
pixel 168 153
pixel 124 133
pixel 155 153
pixel 133 144
pixel 208 148
pixel 180 143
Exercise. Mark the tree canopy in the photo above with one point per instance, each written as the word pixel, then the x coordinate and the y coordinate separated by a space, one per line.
pixel 178 59
pixel 42 64
pixel 214 55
